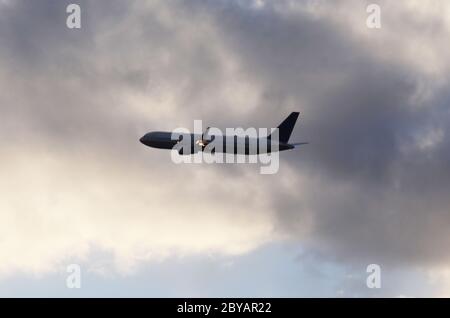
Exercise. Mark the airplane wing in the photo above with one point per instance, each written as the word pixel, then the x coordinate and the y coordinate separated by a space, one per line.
pixel 299 144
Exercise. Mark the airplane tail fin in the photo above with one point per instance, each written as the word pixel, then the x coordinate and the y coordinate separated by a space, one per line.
pixel 286 127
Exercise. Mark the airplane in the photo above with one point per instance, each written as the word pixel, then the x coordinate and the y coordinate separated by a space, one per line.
pixel 250 146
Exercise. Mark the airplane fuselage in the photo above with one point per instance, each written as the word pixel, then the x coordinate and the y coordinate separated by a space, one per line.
pixel 223 144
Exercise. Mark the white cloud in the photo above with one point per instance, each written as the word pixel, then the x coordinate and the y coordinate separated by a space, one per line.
pixel 59 205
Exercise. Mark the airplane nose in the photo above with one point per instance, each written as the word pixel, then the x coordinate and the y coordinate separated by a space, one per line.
pixel 142 140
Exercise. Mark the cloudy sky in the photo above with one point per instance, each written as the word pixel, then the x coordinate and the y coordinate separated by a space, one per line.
pixel 77 187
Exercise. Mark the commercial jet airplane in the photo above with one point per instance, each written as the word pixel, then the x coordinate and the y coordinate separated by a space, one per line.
pixel 188 143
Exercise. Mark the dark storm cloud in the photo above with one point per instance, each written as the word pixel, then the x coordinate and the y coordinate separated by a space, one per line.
pixel 367 190
pixel 44 61
pixel 359 115
pixel 74 77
